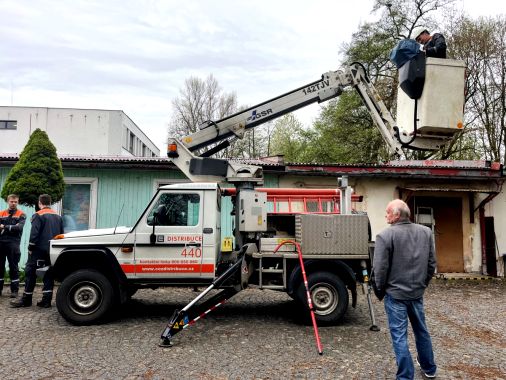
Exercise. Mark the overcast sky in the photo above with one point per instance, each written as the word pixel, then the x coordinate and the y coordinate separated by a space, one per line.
pixel 135 55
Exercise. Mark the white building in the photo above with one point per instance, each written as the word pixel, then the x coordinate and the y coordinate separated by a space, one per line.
pixel 75 131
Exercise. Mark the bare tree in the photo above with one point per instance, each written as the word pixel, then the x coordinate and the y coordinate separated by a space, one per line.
pixel 199 101
pixel 482 45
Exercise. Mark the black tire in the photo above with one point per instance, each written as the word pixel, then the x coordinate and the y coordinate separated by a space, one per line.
pixel 329 296
pixel 85 297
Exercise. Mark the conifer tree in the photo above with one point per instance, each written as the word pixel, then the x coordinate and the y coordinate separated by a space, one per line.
pixel 38 171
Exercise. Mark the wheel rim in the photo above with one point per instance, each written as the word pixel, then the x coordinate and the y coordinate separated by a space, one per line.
pixel 325 298
pixel 85 298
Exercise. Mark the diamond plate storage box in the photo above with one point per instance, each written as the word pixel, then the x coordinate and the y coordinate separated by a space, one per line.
pixel 343 235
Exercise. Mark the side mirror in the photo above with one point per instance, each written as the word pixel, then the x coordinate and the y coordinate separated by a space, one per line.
pixel 158 218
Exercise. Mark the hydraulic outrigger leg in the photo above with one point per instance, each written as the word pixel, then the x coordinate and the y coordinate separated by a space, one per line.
pixel 366 288
pixel 185 317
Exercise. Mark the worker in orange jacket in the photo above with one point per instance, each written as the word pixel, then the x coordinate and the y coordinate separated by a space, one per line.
pixel 12 221
pixel 46 224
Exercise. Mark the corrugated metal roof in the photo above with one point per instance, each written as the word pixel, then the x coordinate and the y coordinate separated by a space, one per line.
pixel 102 158
pixel 473 187
pixel 132 159
pixel 65 157
pixel 447 164
pixel 462 164
pixel 407 168
pixel 258 161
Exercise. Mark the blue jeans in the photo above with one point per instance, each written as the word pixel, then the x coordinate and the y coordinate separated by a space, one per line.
pixel 398 312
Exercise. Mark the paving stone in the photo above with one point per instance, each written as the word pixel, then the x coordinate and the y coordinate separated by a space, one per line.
pixel 256 335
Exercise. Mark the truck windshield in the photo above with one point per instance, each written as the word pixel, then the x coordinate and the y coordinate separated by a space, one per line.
pixel 176 210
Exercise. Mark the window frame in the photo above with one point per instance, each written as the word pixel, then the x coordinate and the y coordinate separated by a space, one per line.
pixel 167 181
pixel 4 125
pixel 187 195
pixel 93 182
pixel 126 135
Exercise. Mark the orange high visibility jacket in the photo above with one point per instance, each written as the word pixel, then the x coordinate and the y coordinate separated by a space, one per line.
pixel 13 222
pixel 46 224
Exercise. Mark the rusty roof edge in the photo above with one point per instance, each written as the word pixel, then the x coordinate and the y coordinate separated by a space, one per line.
pixel 399 172
pixel 483 164
pixel 455 164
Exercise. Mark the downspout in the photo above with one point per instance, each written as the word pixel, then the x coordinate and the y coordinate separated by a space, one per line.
pixel 481 208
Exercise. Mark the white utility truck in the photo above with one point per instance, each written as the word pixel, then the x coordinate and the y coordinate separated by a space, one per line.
pixel 177 240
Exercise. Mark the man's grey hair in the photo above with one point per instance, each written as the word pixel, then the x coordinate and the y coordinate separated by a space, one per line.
pixel 400 208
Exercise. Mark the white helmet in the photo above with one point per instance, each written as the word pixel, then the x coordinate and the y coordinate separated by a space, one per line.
pixel 417 31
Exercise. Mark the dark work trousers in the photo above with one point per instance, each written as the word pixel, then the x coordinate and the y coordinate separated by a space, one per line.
pixel 10 250
pixel 38 259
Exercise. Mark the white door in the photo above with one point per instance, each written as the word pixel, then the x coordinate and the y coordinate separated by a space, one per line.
pixel 177 251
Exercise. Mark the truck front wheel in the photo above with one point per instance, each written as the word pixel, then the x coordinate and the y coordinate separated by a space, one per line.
pixel 84 297
pixel 329 296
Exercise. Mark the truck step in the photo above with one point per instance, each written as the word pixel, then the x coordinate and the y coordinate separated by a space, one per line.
pixel 276 287
pixel 271 270
pixel 278 255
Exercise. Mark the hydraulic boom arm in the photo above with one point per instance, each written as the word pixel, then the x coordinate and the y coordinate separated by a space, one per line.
pixel 186 154
pixel 329 86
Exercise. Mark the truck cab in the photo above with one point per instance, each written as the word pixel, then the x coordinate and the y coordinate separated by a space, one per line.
pixel 175 242
pixel 178 235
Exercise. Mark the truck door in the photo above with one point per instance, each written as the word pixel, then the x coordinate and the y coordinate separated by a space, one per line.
pixel 177 249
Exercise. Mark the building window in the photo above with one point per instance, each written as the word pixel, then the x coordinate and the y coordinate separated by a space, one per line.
pixel 131 143
pixel 78 205
pixel 126 135
pixel 8 124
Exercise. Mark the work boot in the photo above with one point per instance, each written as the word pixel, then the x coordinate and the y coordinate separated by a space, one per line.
pixel 24 301
pixel 14 294
pixel 45 302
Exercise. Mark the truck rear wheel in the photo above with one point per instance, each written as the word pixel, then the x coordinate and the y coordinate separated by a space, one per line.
pixel 329 296
pixel 84 297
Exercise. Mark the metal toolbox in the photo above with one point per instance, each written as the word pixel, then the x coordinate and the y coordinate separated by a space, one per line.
pixel 342 235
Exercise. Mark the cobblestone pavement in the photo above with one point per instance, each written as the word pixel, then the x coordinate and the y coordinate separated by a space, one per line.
pixel 254 336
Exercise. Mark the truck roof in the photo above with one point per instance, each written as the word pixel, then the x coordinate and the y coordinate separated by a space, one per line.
pixel 192 186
